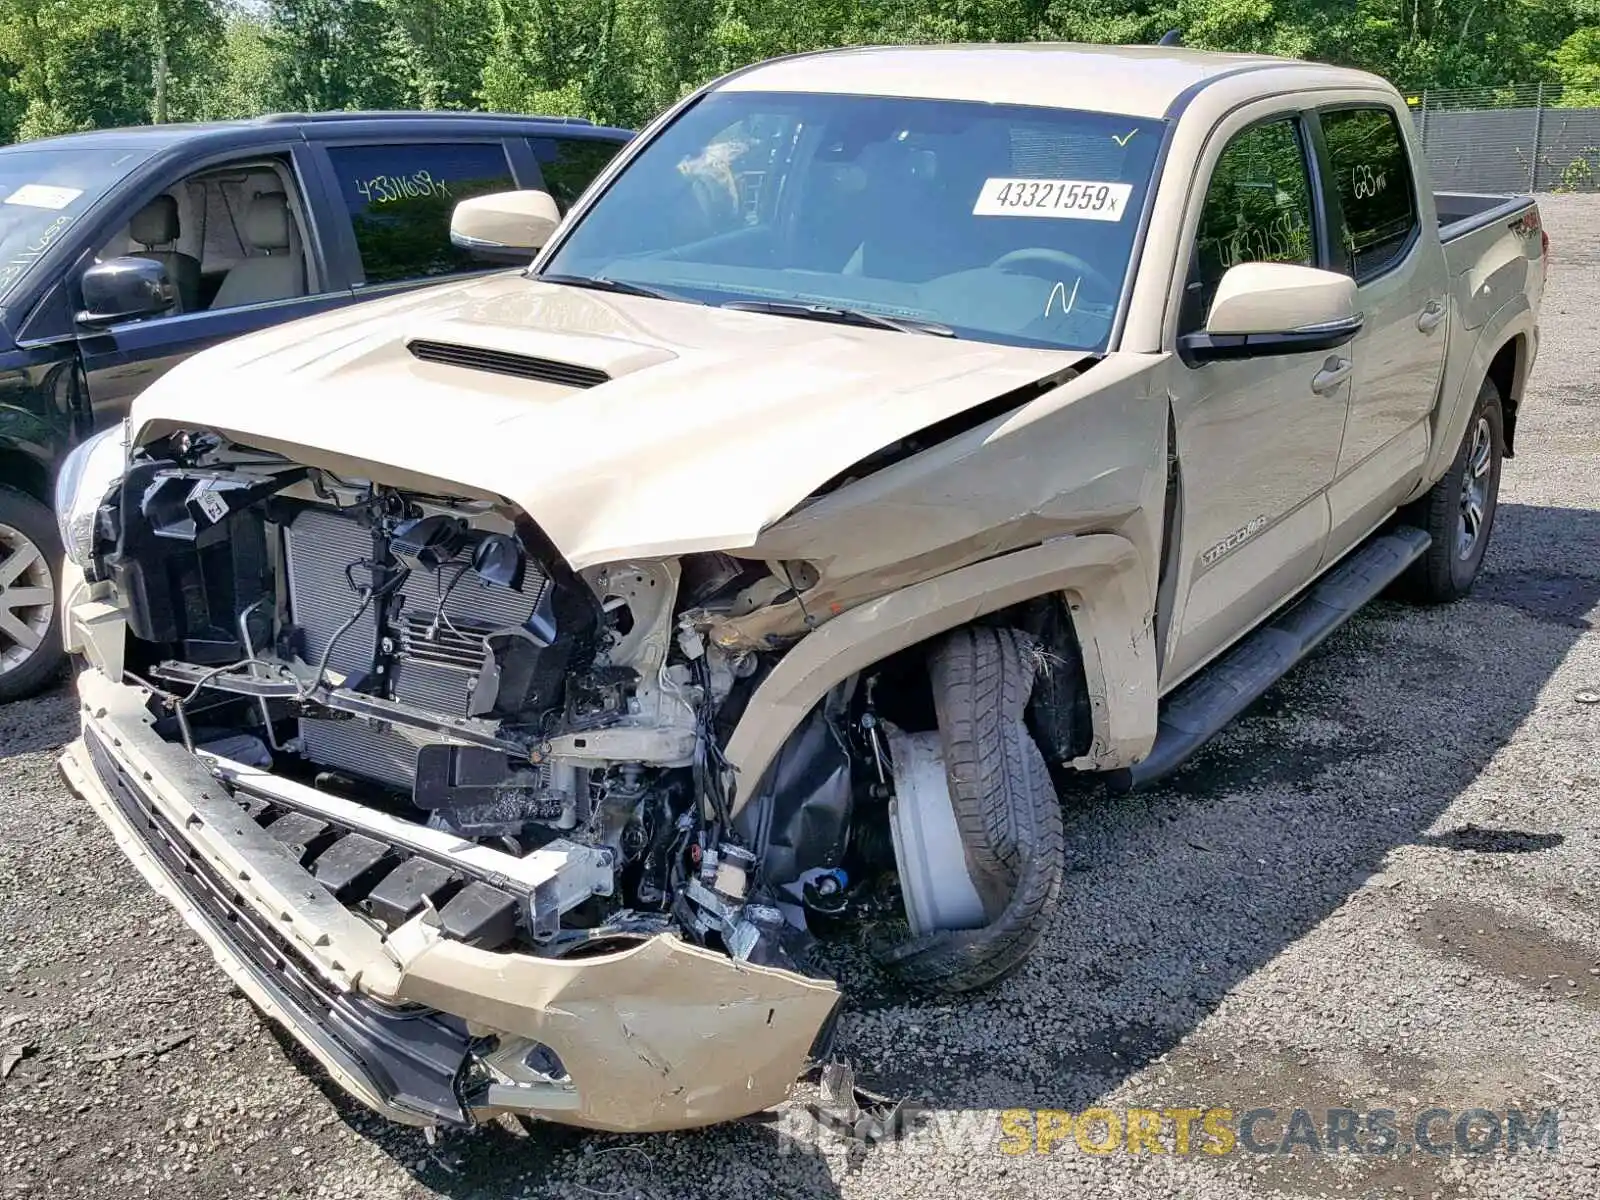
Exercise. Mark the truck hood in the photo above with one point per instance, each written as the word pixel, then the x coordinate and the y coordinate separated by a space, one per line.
pixel 687 427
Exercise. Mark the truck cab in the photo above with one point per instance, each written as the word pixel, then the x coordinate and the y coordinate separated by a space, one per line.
pixel 887 438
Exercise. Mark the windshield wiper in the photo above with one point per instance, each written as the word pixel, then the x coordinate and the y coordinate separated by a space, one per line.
pixel 602 283
pixel 842 316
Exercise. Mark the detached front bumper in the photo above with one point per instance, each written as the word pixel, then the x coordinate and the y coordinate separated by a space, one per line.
pixel 663 1035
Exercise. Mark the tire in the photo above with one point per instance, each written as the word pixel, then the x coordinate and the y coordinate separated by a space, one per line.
pixel 1447 570
pixel 30 622
pixel 982 679
pixel 1005 806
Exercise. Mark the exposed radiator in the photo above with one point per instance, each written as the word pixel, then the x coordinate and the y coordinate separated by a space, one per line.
pixel 380 752
pixel 443 621
pixel 440 655
pixel 318 548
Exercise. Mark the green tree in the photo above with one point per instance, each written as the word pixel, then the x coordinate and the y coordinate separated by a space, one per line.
pixel 1576 63
pixel 568 57
pixel 181 39
pixel 436 49
pixel 13 105
pixel 73 64
pixel 242 73
pixel 330 54
pixel 82 64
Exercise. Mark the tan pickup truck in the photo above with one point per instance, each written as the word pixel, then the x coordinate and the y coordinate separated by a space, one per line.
pixel 510 681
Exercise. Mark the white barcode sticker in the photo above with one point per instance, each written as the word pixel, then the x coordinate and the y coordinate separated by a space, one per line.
pixel 213 505
pixel 42 195
pixel 1078 199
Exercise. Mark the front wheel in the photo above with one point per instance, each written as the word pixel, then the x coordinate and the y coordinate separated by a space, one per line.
pixel 1004 821
pixel 1458 511
pixel 30 633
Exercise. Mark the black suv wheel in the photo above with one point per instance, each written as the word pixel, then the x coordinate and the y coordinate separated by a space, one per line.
pixel 30 633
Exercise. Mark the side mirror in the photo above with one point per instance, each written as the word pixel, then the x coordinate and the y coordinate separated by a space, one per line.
pixel 1275 308
pixel 123 289
pixel 505 226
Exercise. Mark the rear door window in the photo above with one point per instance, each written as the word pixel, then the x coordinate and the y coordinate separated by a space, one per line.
pixel 569 164
pixel 400 198
pixel 1372 177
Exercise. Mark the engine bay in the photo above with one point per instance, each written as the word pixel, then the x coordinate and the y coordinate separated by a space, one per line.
pixel 419 698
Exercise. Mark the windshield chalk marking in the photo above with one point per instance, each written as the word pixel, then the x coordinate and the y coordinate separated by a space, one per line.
pixel 1067 301
pixel 21 262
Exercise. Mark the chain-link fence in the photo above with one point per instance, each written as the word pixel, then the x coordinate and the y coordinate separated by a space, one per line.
pixel 1531 137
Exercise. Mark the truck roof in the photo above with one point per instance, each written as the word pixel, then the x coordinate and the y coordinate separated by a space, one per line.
pixel 1141 81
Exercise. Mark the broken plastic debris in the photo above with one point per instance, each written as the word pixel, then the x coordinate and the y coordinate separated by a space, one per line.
pixel 11 1056
pixel 856 1113
pixel 150 1048
pixel 741 940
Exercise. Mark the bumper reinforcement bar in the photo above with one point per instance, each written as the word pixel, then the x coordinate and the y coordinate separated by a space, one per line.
pixel 412 1061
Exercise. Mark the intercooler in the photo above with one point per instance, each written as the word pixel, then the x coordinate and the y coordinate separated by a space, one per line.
pixel 439 622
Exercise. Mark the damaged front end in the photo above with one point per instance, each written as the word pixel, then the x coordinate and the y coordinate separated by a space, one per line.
pixel 455 814
pixel 424 1027
pixel 489 833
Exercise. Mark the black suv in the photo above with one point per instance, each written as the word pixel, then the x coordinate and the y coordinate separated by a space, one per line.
pixel 253 223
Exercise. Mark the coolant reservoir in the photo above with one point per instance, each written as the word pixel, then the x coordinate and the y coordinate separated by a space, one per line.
pixel 932 861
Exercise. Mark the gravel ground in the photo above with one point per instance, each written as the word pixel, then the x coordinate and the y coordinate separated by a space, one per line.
pixel 1380 889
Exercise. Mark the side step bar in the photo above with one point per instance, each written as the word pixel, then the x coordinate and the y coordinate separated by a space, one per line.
pixel 1193 714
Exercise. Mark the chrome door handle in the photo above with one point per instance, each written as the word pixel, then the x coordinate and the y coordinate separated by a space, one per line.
pixel 1432 313
pixel 1334 372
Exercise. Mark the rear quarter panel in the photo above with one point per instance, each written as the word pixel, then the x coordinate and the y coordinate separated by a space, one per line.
pixel 1496 284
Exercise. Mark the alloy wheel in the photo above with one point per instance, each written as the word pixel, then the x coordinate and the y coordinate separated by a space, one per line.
pixel 1475 499
pixel 27 598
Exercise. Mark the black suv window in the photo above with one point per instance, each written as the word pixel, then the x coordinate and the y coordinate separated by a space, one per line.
pixel 1372 175
pixel 570 164
pixel 1257 209
pixel 400 198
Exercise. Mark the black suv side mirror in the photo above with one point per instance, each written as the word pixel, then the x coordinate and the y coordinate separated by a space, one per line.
pixel 122 289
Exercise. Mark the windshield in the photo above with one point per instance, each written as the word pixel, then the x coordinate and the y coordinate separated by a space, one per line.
pixel 43 191
pixel 998 222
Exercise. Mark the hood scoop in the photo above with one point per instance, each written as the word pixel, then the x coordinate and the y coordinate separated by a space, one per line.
pixel 505 362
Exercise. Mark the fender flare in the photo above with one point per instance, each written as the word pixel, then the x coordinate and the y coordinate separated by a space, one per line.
pixel 1108 594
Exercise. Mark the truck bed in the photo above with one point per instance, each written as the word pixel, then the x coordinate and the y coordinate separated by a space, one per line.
pixel 1495 253
pixel 1492 250
pixel 1460 213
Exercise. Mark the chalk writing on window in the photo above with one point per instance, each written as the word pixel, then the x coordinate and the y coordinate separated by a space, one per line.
pixel 385 189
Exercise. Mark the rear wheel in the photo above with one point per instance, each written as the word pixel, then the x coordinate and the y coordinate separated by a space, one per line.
pixel 1005 809
pixel 1458 511
pixel 30 636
